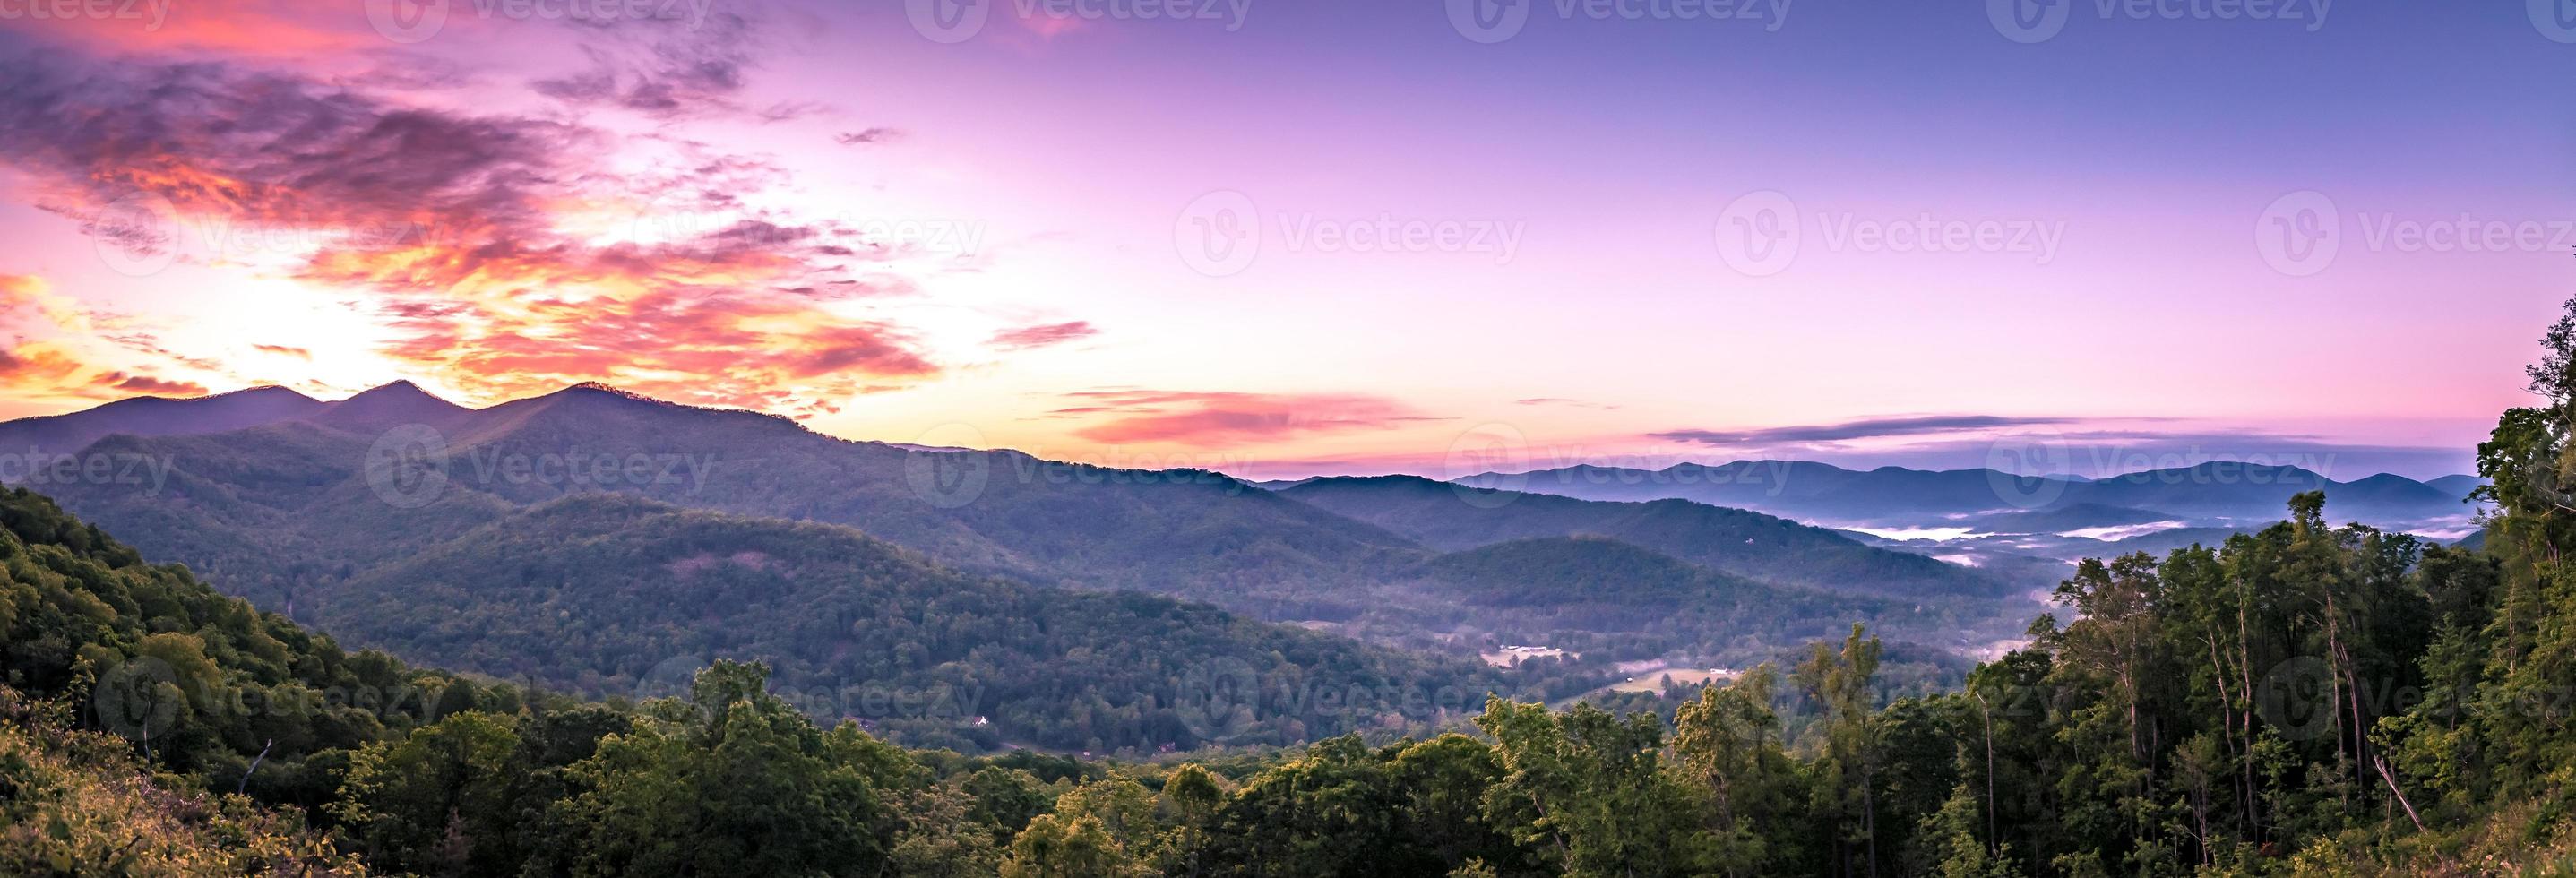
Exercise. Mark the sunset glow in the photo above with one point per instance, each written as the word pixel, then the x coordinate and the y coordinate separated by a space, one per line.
pixel 1290 239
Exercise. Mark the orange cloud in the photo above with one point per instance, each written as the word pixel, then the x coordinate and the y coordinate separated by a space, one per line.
pixel 26 297
pixel 286 29
pixel 53 370
pixel 478 239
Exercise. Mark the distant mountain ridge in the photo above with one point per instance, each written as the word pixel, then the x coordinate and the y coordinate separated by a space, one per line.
pixel 1189 533
pixel 328 515
pixel 155 416
pixel 1802 490
pixel 1895 495
pixel 1735 541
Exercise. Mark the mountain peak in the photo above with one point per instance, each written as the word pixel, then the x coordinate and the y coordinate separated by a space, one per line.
pixel 388 404
pixel 602 388
pixel 397 388
pixel 156 416
pixel 263 391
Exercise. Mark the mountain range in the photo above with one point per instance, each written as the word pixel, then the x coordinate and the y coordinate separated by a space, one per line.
pixel 1735 541
pixel 583 538
pixel 1982 515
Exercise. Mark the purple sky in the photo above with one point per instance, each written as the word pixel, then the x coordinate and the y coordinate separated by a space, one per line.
pixel 1324 236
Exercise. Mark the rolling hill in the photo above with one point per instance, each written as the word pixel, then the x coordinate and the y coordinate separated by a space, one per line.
pixel 592 593
pixel 374 476
pixel 155 416
pixel 1896 496
pixel 1733 541
pixel 1571 590
pixel 378 517
pixel 608 595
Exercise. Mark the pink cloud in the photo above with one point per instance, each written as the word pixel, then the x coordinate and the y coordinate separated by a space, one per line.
pixel 1042 335
pixel 1211 419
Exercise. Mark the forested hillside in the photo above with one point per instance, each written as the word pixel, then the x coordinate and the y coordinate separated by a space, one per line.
pixel 1747 544
pixel 592 593
pixel 2309 699
pixel 288 508
pixel 543 540
pixel 1601 597
pixel 77 803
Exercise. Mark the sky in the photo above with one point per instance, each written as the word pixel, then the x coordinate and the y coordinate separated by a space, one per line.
pixel 1330 236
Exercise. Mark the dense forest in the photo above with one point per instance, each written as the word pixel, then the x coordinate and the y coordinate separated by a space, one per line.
pixel 1054 597
pixel 2308 699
